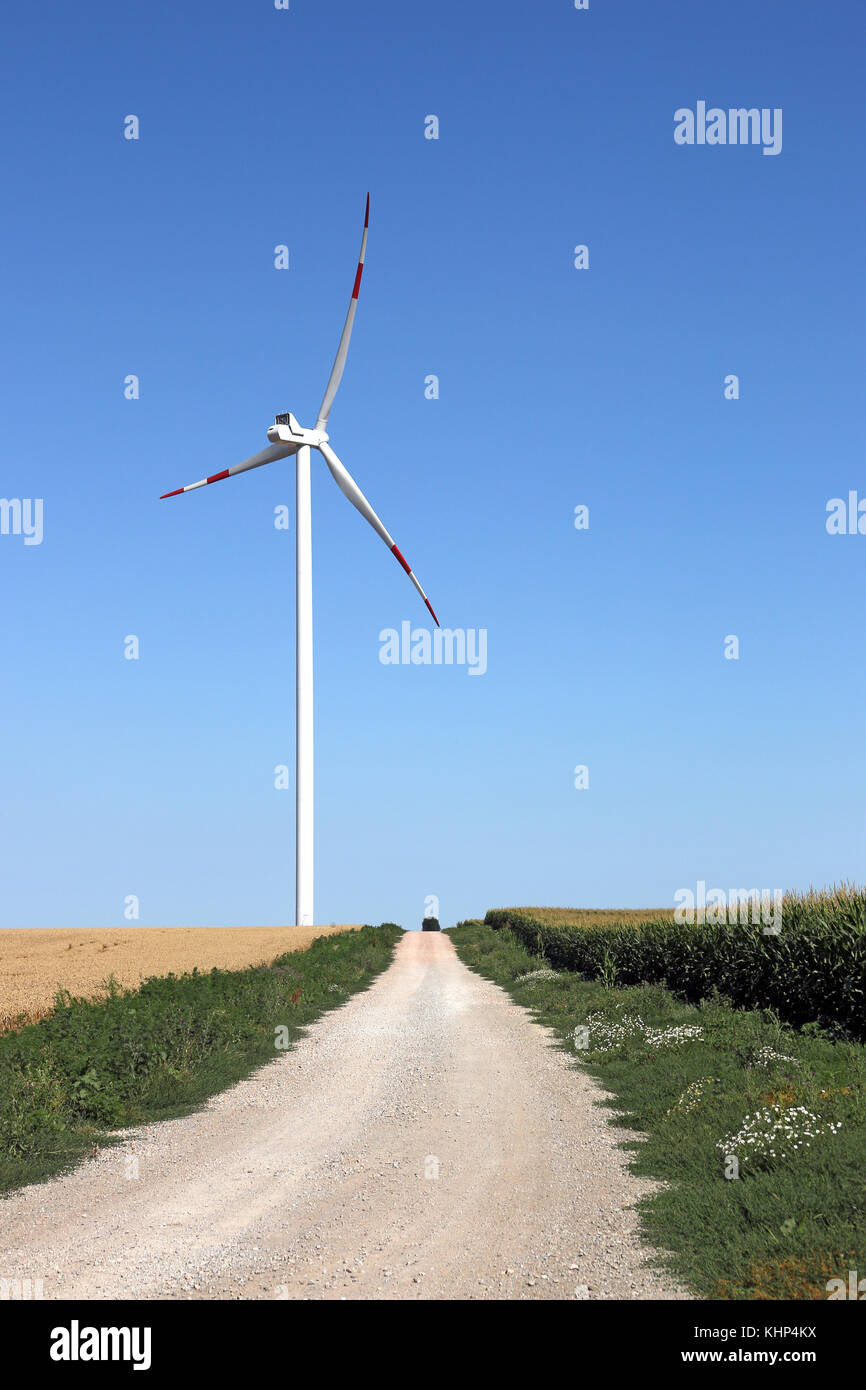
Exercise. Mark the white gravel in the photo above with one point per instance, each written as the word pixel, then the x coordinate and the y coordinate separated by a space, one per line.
pixel 424 1140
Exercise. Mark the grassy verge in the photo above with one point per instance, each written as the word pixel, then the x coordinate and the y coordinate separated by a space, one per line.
pixel 689 1078
pixel 157 1051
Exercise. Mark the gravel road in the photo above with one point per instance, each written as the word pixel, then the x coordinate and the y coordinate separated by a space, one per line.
pixel 424 1140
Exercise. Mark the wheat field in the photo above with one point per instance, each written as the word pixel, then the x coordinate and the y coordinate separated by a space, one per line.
pixel 595 916
pixel 35 964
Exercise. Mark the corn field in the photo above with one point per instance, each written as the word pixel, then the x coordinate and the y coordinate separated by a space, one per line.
pixel 812 971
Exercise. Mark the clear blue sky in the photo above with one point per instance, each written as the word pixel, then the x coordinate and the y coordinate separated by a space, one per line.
pixel 558 387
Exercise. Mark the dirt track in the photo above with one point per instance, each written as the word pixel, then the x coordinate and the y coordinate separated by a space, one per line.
pixel 317 1177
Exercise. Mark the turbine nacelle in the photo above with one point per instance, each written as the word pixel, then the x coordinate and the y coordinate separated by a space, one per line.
pixel 286 430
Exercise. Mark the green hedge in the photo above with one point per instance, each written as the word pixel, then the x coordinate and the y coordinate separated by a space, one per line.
pixel 814 970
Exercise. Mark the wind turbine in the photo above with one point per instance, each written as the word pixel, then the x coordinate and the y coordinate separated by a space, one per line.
pixel 288 437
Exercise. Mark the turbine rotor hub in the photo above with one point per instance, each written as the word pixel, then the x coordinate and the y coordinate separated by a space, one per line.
pixel 286 430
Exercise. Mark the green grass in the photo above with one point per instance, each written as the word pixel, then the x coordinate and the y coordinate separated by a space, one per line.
pixel 784 1226
pixel 160 1050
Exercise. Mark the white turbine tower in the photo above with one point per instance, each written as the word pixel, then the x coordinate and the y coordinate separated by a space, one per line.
pixel 288 437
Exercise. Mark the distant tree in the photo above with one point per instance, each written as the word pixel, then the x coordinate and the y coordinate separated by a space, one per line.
pixel 430 924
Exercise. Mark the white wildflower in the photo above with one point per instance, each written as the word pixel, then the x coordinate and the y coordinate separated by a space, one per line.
pixel 606 1036
pixel 766 1055
pixel 777 1131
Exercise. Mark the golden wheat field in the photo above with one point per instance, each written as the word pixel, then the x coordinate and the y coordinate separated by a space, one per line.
pixel 34 964
pixel 594 916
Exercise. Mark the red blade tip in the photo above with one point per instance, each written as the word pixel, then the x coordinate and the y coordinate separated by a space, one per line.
pixel 402 559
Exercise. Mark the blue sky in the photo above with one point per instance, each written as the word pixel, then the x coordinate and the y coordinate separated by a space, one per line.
pixel 558 387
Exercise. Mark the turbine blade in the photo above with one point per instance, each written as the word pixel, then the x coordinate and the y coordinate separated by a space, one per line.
pixel 269 455
pixel 343 349
pixel 349 488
